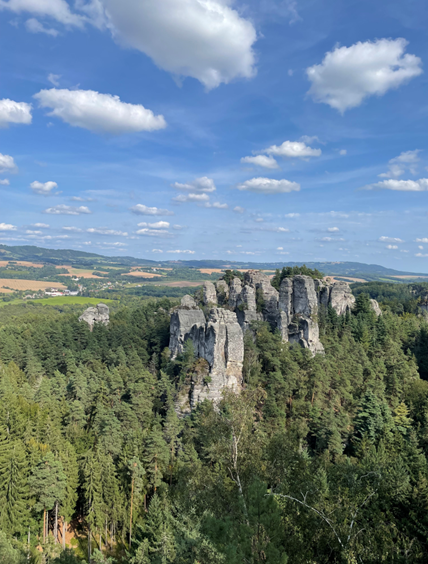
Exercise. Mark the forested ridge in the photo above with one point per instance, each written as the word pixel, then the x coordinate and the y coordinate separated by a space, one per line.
pixel 319 460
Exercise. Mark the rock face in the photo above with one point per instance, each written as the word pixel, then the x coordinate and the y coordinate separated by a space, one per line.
pixel 375 307
pixel 218 342
pixel 98 314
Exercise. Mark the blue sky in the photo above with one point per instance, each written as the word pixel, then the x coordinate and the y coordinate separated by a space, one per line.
pixel 261 130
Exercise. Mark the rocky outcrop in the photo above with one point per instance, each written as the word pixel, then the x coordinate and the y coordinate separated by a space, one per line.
pixel 341 298
pixel 235 288
pixel 187 322
pixel 375 307
pixel 98 314
pixel 209 294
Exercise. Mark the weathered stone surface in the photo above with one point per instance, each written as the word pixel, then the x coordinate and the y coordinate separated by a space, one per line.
pixel 209 293
pixel 305 301
pixel 247 299
pixel 323 289
pixel 261 283
pixel 187 323
pixel 98 314
pixel 222 289
pixel 286 297
pixel 245 318
pixel 375 307
pixel 235 288
pixel 341 298
pixel 305 332
pixel 188 301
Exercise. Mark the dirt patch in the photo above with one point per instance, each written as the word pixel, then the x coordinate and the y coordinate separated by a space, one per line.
pixel 183 284
pixel 142 274
pixel 28 285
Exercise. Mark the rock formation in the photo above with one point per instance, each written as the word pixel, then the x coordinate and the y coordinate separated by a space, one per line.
pixel 375 307
pixel 98 314
pixel 218 342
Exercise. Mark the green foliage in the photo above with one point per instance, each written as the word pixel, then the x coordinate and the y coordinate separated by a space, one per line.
pixel 229 275
pixel 289 271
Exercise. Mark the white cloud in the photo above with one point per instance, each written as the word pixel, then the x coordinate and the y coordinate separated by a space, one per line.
pixel 54 78
pixel 331 239
pixel 293 149
pixel 182 198
pixel 217 205
pixel 421 255
pixel 259 219
pixel 280 248
pixel 7 227
pixel 14 112
pixel 292 215
pixel 423 240
pixel 62 209
pixel 178 227
pixel 152 232
pixel 157 251
pixel 204 39
pixel 343 152
pixel 58 10
pixel 182 252
pixel 269 186
pixel 4 182
pixel 203 184
pixel 420 185
pixel 7 164
pixel 34 26
pixel 238 209
pixel 104 231
pixel 141 209
pixel 333 229
pixel 261 160
pixel 31 232
pixel 43 188
pixel 398 165
pixel 79 199
pixel 41 225
pixel 348 75
pixel 392 247
pixel 421 247
pixel 72 229
pixel 100 113
pixel 156 225
pixel 384 239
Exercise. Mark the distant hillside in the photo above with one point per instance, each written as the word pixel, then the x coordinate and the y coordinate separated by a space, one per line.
pixel 368 272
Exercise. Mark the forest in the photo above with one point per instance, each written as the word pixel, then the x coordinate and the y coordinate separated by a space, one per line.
pixel 319 460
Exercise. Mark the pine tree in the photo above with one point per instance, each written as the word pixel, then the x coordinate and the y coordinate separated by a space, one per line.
pixel 156 456
pixel 71 469
pixel 14 510
pixel 92 487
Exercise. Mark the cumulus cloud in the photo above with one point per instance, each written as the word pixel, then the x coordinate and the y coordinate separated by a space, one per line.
pixel 292 149
pixel 14 112
pixel 7 164
pixel 420 185
pixel 41 225
pixel 157 225
pixel 331 239
pixel 43 188
pixel 7 227
pixel 99 113
pixel 238 209
pixel 58 10
pixel 269 186
pixel 4 182
pixel 153 232
pixel 348 75
pixel 216 205
pixel 333 229
pixel 203 184
pixel 63 209
pixel 292 215
pixel 72 229
pixel 178 227
pixel 260 160
pixel 141 209
pixel 105 231
pixel 203 39
pixel 392 247
pixel 157 251
pixel 384 239
pixel 34 26
pixel 399 165
pixel 423 240
pixel 182 252
pixel 182 198
pixel 421 255
pixel 343 152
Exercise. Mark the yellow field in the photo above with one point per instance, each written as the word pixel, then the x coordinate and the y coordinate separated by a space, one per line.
pixel 80 272
pixel 409 276
pixel 210 270
pixel 27 285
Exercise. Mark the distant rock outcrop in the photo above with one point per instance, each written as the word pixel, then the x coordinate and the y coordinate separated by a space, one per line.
pixel 98 314
pixel 218 342
pixel 375 307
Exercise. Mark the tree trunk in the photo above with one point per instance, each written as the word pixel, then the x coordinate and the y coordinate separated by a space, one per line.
pixel 106 539
pixel 44 525
pixel 101 542
pixel 56 523
pixel 89 544
pixel 130 518
pixel 64 530
pixel 29 542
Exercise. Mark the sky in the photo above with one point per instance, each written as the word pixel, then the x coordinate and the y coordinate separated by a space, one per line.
pixel 265 130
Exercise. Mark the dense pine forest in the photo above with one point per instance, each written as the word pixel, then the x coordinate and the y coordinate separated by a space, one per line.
pixel 319 460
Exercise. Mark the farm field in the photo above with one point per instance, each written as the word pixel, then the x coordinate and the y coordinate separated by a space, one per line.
pixel 21 263
pixel 141 274
pixel 27 285
pixel 79 300
pixel 80 272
